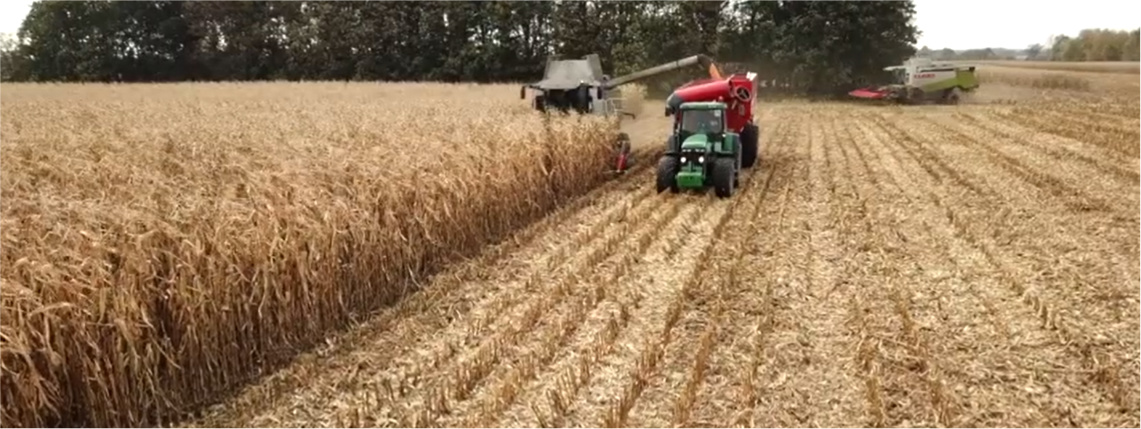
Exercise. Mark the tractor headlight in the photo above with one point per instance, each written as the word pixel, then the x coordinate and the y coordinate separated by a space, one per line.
pixel 683 160
pixel 701 160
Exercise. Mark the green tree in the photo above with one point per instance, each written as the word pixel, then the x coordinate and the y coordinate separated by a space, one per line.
pixel 65 41
pixel 1097 45
pixel 1131 50
pixel 820 46
pixel 13 59
pixel 1033 51
pixel 827 47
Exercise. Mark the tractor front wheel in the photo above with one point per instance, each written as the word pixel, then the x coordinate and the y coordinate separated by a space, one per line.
pixel 750 136
pixel 668 167
pixel 722 175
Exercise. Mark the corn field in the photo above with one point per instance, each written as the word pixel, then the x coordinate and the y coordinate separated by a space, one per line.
pixel 298 255
pixel 162 244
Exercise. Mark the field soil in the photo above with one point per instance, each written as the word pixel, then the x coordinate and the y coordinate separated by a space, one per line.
pixel 972 265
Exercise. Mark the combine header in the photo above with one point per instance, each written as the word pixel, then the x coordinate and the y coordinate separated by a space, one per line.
pixel 920 80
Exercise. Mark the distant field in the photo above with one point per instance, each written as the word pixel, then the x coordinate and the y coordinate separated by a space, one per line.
pixel 1096 79
pixel 1092 67
pixel 946 266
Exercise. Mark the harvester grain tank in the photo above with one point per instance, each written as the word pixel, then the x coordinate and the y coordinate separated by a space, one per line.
pixel 921 79
pixel 567 85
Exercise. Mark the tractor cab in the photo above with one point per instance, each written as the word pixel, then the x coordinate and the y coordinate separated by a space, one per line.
pixel 702 121
pixel 705 120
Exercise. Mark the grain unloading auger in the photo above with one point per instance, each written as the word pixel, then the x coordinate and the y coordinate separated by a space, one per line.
pixel 920 80
pixel 581 87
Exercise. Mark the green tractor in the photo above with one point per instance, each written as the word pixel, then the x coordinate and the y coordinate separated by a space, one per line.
pixel 701 152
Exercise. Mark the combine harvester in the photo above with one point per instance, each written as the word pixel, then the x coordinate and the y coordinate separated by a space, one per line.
pixel 580 86
pixel 921 80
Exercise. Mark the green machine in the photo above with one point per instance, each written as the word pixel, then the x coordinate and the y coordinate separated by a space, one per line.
pixel 921 80
pixel 701 152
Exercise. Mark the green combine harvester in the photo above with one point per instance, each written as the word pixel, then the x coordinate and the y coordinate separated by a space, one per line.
pixel 701 152
pixel 920 80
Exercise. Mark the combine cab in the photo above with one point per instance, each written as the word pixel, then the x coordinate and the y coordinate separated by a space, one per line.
pixel 921 80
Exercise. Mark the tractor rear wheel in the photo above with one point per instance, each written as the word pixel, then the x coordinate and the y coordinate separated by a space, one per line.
pixel 722 175
pixel 668 167
pixel 750 136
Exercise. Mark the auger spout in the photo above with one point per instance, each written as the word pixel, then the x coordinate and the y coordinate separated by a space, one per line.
pixel 703 60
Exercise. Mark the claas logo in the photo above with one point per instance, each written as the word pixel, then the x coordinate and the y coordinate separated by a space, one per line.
pixel 923 75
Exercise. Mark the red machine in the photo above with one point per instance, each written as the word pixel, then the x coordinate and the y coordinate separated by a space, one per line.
pixel 625 158
pixel 870 92
pixel 736 92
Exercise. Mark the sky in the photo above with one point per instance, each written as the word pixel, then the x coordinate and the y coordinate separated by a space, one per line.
pixel 955 24
pixel 1015 24
pixel 12 13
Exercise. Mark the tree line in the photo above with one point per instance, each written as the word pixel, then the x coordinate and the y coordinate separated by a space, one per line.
pixel 809 46
pixel 1098 45
pixel 1088 45
pixel 947 54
